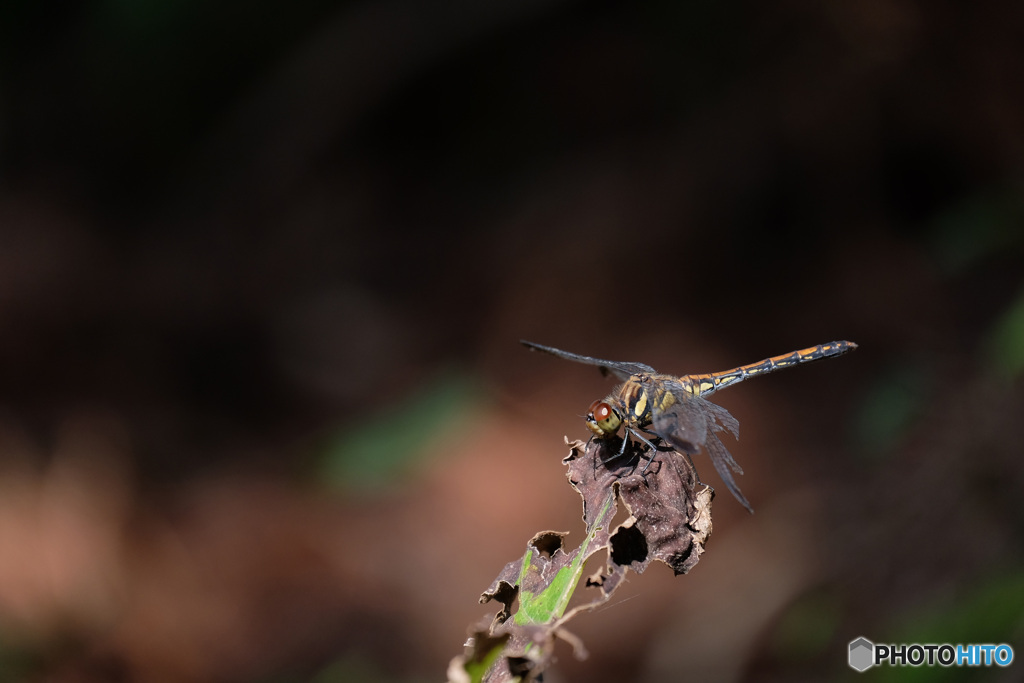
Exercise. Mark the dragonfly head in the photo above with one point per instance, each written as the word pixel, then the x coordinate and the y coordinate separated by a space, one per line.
pixel 603 419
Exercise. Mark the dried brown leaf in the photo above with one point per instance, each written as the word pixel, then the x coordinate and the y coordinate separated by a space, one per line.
pixel 669 521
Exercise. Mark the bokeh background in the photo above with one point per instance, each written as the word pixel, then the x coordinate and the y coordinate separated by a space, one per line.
pixel 264 268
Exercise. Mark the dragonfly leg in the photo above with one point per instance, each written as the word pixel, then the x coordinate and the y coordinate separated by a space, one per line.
pixel 595 462
pixel 622 451
pixel 689 461
pixel 654 448
pixel 602 459
pixel 625 442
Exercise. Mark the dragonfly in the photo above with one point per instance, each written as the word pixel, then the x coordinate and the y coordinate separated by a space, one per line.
pixel 652 407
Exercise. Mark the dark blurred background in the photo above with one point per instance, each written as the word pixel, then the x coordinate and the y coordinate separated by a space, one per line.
pixel 264 268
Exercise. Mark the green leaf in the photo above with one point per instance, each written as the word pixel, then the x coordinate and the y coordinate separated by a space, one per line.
pixel 477 669
pixel 549 604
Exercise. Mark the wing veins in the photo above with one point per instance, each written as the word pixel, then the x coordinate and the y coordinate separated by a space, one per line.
pixel 621 370
pixel 703 419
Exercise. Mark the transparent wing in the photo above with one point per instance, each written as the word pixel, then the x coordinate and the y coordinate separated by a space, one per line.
pixel 621 370
pixel 693 422
pixel 722 461
pixel 721 419
pixel 684 424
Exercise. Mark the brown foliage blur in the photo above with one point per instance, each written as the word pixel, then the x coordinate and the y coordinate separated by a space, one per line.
pixel 234 237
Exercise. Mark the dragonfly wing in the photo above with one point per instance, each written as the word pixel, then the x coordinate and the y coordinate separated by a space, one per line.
pixel 722 461
pixel 619 369
pixel 683 424
pixel 692 422
pixel 722 419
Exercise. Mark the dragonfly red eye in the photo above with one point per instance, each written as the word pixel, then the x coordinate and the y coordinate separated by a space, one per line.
pixel 600 410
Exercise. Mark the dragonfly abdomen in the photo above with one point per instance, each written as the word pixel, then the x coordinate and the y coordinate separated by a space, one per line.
pixel 706 384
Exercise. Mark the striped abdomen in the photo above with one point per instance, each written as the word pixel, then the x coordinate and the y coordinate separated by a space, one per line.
pixel 701 385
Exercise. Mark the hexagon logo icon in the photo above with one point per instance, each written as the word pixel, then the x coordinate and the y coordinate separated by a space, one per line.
pixel 862 654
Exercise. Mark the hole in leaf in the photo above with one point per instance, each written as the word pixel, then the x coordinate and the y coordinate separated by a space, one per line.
pixel 508 596
pixel 547 542
pixel 628 545
pixel 520 666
